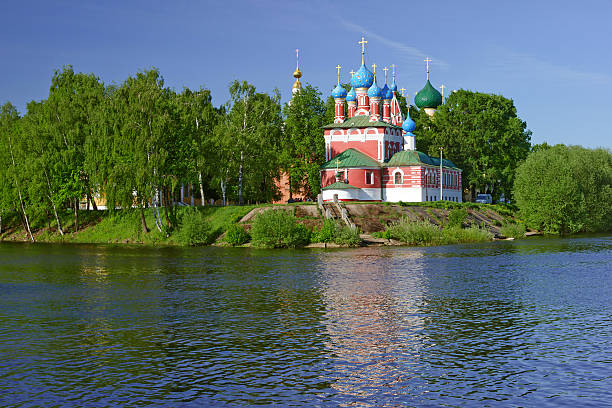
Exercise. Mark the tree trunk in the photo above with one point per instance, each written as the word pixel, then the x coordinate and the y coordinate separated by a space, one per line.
pixel 59 224
pixel 76 215
pixel 143 220
pixel 240 199
pixel 223 188
pixel 93 200
pixel 165 194
pixel 201 188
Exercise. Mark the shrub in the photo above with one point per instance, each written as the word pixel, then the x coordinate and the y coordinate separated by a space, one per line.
pixel 415 232
pixel 326 233
pixel 456 217
pixel 566 189
pixel 513 230
pixel 194 229
pixel 337 232
pixel 278 229
pixel 345 235
pixel 236 235
pixel 457 235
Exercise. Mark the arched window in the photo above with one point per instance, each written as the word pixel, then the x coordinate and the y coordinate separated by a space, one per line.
pixel 398 178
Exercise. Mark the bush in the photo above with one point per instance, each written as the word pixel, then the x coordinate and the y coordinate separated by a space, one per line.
pixel 337 232
pixel 326 233
pixel 513 230
pixel 566 189
pixel 415 232
pixel 456 217
pixel 457 235
pixel 345 235
pixel 278 229
pixel 194 229
pixel 236 235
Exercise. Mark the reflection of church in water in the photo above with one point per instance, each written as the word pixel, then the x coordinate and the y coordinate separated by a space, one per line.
pixel 370 150
pixel 372 318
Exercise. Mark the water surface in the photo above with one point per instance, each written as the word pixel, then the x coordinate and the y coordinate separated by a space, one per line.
pixel 523 323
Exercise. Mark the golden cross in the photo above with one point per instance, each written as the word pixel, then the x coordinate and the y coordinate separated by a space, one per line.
pixel 427 60
pixel 352 73
pixel 363 42
pixel 297 59
pixel 337 165
pixel 385 69
pixel 338 68
pixel 393 66
pixel 402 90
pixel 442 87
pixel 374 68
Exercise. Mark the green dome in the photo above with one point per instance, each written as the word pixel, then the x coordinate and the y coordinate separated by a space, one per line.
pixel 428 97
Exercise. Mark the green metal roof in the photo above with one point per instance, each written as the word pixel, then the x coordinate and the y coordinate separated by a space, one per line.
pixel 428 97
pixel 416 158
pixel 351 158
pixel 361 121
pixel 339 185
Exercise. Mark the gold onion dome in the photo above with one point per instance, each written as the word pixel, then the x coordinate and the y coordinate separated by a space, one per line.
pixel 297 74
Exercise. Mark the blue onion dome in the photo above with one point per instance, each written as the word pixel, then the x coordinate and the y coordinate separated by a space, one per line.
pixel 393 86
pixel 339 92
pixel 409 124
pixel 362 78
pixel 386 93
pixel 351 96
pixel 374 91
pixel 428 97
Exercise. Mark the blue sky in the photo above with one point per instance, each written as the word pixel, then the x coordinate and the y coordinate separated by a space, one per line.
pixel 552 60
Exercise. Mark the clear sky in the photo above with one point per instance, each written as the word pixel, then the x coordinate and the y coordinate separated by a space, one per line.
pixel 551 57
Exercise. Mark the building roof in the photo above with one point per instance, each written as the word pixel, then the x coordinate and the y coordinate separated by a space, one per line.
pixel 351 158
pixel 416 158
pixel 339 185
pixel 363 78
pixel 361 121
pixel 428 97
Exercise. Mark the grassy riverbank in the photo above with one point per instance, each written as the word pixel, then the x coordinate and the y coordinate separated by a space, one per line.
pixel 433 223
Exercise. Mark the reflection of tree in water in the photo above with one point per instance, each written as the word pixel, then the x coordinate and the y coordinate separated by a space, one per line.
pixel 372 321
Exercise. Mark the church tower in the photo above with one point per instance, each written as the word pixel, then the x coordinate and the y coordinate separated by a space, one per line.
pixel 428 98
pixel 297 85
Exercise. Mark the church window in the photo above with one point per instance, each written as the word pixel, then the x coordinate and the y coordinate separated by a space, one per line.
pixel 369 177
pixel 398 178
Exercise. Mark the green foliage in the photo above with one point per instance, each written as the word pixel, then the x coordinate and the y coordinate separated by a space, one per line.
pixel 194 229
pixel 302 147
pixel 456 235
pixel 278 229
pixel 514 230
pixel 415 232
pixel 456 217
pixel 236 235
pixel 481 134
pixel 347 236
pixel 326 233
pixel 425 233
pixel 337 232
pixel 566 189
pixel 247 144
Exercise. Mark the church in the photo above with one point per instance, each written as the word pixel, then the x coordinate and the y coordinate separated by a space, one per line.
pixel 370 151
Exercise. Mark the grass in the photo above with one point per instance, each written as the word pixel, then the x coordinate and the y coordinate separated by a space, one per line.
pixel 425 233
pixel 512 230
pixel 124 226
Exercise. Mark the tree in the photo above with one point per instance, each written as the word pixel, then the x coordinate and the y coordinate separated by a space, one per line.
pixel 482 135
pixel 565 189
pixel 197 120
pixel 13 179
pixel 73 102
pixel 303 148
pixel 133 134
pixel 247 142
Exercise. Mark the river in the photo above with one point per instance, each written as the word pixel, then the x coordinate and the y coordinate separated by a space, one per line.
pixel 521 323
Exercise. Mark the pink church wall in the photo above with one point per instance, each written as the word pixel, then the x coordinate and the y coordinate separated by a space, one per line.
pixel 369 147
